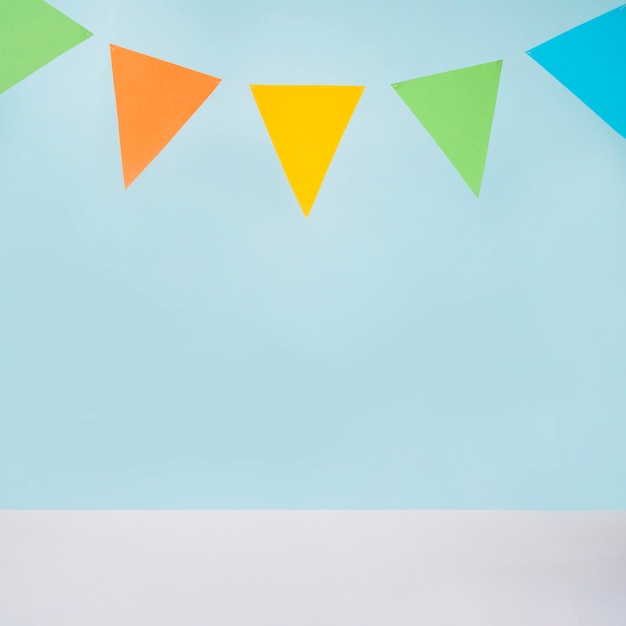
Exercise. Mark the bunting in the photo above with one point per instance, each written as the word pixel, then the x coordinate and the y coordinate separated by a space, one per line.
pixel 457 108
pixel 306 124
pixel 154 101
pixel 590 61
pixel 155 98
pixel 33 33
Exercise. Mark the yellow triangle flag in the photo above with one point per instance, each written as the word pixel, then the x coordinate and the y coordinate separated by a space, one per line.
pixel 305 124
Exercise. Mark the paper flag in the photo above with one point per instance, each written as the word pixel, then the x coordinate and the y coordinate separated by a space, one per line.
pixel 32 33
pixel 457 109
pixel 590 60
pixel 154 101
pixel 306 124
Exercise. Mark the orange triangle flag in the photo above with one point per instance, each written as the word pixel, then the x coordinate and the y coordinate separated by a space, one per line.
pixel 154 101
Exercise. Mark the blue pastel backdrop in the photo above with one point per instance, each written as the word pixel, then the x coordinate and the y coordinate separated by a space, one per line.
pixel 194 342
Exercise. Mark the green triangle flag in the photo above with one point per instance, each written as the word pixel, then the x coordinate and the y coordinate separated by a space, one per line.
pixel 457 109
pixel 33 33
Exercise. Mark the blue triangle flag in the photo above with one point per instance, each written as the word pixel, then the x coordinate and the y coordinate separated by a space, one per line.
pixel 590 60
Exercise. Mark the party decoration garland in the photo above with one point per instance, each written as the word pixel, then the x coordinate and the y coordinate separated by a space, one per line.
pixel 32 33
pixel 590 60
pixel 457 109
pixel 154 101
pixel 305 123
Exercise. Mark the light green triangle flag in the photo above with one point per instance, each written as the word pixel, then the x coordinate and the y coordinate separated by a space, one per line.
pixel 33 33
pixel 457 109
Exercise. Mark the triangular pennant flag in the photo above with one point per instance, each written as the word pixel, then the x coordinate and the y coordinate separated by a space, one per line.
pixel 590 60
pixel 33 33
pixel 306 124
pixel 154 101
pixel 457 109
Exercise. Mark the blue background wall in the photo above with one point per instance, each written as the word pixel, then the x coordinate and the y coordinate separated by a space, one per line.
pixel 195 342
